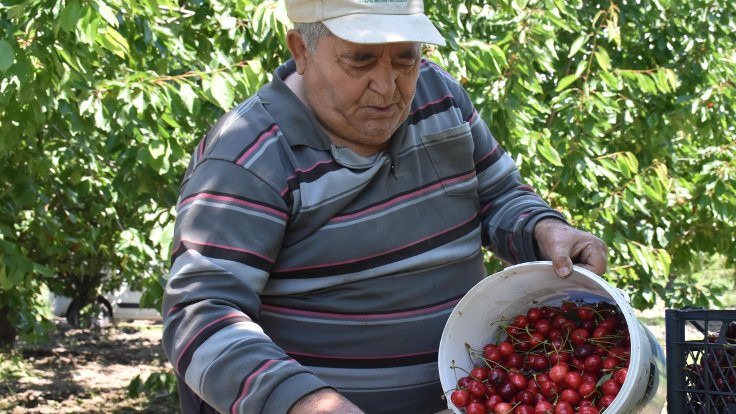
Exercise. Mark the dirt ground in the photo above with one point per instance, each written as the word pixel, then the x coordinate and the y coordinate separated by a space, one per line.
pixel 88 371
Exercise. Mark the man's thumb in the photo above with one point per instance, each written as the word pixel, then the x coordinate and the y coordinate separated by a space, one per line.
pixel 562 266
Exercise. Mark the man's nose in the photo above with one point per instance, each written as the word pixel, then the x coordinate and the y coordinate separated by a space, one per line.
pixel 383 80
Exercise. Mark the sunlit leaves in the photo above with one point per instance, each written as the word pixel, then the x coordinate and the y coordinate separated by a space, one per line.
pixel 620 116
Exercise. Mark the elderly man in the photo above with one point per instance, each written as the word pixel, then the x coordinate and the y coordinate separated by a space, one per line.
pixel 328 225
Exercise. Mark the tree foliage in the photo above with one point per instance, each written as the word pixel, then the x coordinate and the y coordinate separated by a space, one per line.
pixel 620 113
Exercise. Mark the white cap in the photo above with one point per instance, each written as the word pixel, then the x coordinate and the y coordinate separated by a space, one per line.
pixel 368 21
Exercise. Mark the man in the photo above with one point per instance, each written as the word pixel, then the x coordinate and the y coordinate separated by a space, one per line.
pixel 328 225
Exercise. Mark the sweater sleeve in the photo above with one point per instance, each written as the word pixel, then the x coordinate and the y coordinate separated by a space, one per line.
pixel 228 232
pixel 509 208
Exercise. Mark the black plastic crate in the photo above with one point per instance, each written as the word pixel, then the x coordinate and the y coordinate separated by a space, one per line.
pixel 701 362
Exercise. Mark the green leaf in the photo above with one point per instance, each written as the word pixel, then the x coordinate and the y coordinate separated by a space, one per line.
pixel 117 43
pixel 157 149
pixel 69 17
pixel 7 56
pixel 549 153
pixel 107 13
pixel 187 95
pixel 566 81
pixel 576 45
pixel 604 61
pixel 222 92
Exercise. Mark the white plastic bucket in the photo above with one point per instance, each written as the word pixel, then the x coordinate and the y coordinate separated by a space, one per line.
pixel 517 288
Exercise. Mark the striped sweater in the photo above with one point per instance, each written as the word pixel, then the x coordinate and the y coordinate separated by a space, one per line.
pixel 299 265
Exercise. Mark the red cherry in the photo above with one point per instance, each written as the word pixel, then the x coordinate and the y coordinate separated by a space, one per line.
pixel 573 379
pixel 492 353
pixel 475 408
pixel 543 407
pixel 585 313
pixel 619 353
pixel 593 363
pixel 492 400
pixel 563 357
pixel 559 321
pixel 479 373
pixel 524 409
pixel 525 397
pixel 588 409
pixel 506 391
pixel 605 401
pixel 535 339
pixel 588 325
pixel 518 381
pixel 571 396
pixel 514 361
pixel 520 321
pixel 503 408
pixel 542 326
pixel 549 389
pixel 538 362
pixel 610 387
pixel 587 388
pixel 542 377
pixel 477 389
pixel 506 348
pixel 587 376
pixel 557 373
pixel 620 375
pixel 497 376
pixel 534 315
pixel 609 364
pixel 579 336
pixel 460 398
pixel 463 382
pixel 610 323
pixel 568 306
pixel 564 407
pixel 600 332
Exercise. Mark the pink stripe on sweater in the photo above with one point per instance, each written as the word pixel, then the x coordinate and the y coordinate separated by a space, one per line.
pixel 294 269
pixel 228 199
pixel 246 386
pixel 425 311
pixel 362 357
pixel 402 198
pixel 271 132
pixel 298 170
pixel 487 155
pixel 472 117
pixel 228 316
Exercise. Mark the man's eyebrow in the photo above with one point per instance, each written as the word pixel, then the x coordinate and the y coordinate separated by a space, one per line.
pixel 359 56
pixel 411 53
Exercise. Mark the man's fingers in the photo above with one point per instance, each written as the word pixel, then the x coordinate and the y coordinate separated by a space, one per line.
pixel 594 257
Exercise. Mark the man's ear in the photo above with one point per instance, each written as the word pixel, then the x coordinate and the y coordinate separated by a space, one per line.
pixel 295 43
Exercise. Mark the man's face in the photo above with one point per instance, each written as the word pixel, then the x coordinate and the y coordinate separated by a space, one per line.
pixel 361 93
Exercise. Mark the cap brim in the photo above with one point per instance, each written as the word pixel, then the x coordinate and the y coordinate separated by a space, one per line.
pixel 385 28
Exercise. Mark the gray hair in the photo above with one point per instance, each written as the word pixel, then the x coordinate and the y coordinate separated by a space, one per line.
pixel 311 33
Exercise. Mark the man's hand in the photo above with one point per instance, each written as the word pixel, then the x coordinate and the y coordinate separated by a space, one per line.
pixel 565 245
pixel 324 401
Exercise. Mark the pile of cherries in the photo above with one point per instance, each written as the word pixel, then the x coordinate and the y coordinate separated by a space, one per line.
pixel 571 358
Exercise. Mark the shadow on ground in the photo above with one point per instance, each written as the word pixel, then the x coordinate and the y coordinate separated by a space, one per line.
pixel 87 371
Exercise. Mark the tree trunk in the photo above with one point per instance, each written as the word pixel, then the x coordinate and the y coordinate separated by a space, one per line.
pixel 7 330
